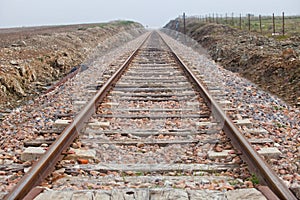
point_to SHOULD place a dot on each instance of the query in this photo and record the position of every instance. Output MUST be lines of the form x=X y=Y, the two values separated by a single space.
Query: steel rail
x=255 y=162
x=43 y=167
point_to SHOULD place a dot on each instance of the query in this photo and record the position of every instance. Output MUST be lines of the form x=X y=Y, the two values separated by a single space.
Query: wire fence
x=270 y=25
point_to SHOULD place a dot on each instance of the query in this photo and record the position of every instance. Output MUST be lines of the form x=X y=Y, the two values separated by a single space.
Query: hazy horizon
x=154 y=14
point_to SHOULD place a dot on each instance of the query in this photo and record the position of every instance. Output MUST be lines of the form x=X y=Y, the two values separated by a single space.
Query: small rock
x=82 y=161
x=60 y=62
x=140 y=145
x=14 y=62
x=81 y=154
x=27 y=169
x=288 y=53
x=168 y=184
x=19 y=44
x=44 y=145
x=130 y=173
x=296 y=189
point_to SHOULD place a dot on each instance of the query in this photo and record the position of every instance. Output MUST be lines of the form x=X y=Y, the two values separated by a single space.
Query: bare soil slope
x=272 y=64
x=32 y=58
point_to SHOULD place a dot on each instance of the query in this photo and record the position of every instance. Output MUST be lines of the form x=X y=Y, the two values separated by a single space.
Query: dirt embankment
x=32 y=58
x=272 y=64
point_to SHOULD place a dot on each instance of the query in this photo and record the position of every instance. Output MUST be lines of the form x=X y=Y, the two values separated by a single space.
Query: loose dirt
x=32 y=58
x=271 y=63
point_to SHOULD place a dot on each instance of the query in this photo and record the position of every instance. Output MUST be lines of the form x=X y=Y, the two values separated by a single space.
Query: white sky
x=152 y=13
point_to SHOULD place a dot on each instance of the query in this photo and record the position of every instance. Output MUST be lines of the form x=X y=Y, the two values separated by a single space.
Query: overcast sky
x=152 y=13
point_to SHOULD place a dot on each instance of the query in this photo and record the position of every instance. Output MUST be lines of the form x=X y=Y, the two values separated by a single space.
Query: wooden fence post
x=274 y=30
x=260 y=24
x=241 y=21
x=283 y=23
x=184 y=24
x=249 y=22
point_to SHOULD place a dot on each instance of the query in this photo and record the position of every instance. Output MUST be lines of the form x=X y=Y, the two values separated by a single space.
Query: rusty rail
x=255 y=162
x=47 y=162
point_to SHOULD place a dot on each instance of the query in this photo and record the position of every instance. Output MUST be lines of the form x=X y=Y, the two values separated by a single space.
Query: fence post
x=274 y=30
x=283 y=23
x=241 y=21
x=184 y=23
x=260 y=24
x=249 y=23
x=232 y=20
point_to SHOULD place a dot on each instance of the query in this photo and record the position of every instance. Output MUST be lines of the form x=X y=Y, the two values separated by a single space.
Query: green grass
x=117 y=23
x=279 y=125
x=233 y=182
x=106 y=24
x=254 y=179
x=124 y=23
x=139 y=173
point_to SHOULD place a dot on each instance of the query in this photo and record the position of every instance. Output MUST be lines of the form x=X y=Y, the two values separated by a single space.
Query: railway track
x=152 y=131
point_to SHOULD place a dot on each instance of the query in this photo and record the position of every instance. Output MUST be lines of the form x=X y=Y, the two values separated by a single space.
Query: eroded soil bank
x=272 y=64
x=31 y=59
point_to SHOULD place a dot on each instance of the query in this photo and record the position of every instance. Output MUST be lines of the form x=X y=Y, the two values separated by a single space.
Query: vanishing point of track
x=153 y=103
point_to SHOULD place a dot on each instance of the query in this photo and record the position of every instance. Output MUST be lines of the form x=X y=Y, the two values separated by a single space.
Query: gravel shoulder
x=272 y=64
x=32 y=58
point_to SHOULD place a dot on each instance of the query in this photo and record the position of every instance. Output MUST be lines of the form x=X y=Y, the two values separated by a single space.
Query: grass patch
x=102 y=25
x=114 y=23
x=139 y=173
x=82 y=28
x=279 y=125
x=233 y=182
x=281 y=37
x=254 y=179
x=124 y=23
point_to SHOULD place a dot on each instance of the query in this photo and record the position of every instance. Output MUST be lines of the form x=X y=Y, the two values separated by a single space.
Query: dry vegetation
x=271 y=63
x=32 y=58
